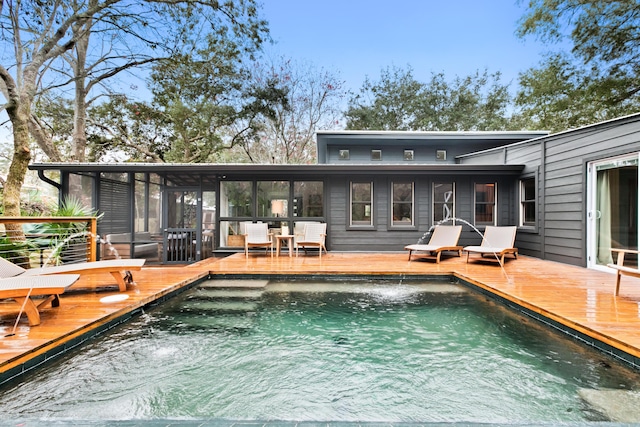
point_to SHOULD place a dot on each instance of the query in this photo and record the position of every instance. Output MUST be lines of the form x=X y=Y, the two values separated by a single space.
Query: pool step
x=218 y=306
x=204 y=322
x=225 y=293
x=234 y=283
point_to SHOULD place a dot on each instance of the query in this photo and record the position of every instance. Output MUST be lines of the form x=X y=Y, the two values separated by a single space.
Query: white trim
x=591 y=208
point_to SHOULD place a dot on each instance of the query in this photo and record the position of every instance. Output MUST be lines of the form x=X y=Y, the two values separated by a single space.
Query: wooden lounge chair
x=120 y=269
x=314 y=237
x=444 y=238
x=622 y=269
x=497 y=242
x=21 y=289
x=257 y=236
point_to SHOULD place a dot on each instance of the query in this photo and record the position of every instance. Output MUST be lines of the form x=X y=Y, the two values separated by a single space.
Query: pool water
x=357 y=351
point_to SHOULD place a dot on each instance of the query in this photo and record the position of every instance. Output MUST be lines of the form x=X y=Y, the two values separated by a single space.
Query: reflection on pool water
x=360 y=351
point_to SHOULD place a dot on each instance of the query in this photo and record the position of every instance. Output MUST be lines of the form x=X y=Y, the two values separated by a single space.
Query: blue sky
x=359 y=38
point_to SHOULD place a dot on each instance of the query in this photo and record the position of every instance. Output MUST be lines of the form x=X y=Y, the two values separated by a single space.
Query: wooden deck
x=580 y=299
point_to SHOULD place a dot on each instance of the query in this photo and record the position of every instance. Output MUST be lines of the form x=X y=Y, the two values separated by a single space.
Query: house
x=572 y=194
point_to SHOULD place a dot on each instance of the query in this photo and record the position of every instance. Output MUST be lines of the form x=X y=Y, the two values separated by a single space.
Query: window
x=273 y=199
x=343 y=154
x=402 y=203
x=443 y=201
x=236 y=199
x=307 y=199
x=361 y=203
x=528 y=202
x=408 y=155
x=376 y=154
x=485 y=201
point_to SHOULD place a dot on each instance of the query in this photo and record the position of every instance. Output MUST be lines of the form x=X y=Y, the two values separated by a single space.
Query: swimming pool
x=360 y=351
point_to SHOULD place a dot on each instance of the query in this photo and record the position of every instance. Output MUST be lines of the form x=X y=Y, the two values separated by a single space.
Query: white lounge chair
x=622 y=269
x=444 y=238
x=21 y=289
x=257 y=236
x=120 y=269
x=314 y=237
x=497 y=242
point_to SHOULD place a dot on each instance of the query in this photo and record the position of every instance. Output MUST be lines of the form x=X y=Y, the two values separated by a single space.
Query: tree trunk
x=17 y=171
x=20 y=161
x=82 y=33
x=44 y=140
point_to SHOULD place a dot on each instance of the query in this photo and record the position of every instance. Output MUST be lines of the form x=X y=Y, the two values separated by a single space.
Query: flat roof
x=431 y=135
x=195 y=174
x=213 y=168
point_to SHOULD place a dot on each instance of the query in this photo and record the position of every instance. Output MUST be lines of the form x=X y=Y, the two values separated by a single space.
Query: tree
x=399 y=102
x=199 y=95
x=290 y=102
x=38 y=33
x=598 y=79
x=126 y=130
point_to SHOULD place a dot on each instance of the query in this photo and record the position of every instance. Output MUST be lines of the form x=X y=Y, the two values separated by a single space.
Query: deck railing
x=43 y=240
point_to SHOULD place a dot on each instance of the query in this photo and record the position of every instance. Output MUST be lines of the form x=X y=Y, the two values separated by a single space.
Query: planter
x=235 y=240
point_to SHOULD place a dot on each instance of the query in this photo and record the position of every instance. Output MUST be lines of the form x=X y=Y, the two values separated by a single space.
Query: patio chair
x=444 y=238
x=120 y=269
x=21 y=289
x=298 y=230
x=497 y=242
x=622 y=269
x=257 y=236
x=314 y=237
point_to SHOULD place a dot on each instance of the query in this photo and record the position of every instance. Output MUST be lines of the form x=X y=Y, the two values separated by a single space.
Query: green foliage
x=15 y=250
x=288 y=101
x=67 y=237
x=136 y=130
x=399 y=102
x=599 y=79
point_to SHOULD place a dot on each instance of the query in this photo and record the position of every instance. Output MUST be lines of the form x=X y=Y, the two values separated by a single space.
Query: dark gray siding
x=383 y=237
x=424 y=152
x=560 y=163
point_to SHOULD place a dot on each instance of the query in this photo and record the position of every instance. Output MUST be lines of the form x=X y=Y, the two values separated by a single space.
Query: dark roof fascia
x=273 y=169
x=587 y=128
x=430 y=135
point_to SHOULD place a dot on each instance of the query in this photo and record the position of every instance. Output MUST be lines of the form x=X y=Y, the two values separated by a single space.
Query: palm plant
x=68 y=239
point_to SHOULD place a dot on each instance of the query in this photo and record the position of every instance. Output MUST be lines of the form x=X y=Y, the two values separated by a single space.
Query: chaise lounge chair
x=120 y=269
x=257 y=236
x=622 y=269
x=496 y=243
x=314 y=237
x=22 y=289
x=443 y=238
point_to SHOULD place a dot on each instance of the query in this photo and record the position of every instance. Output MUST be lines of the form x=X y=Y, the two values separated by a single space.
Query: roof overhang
x=271 y=169
x=367 y=135
x=195 y=174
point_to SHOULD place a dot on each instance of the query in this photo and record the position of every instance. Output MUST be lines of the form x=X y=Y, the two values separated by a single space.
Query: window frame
x=392 y=202
x=494 y=204
x=534 y=202
x=371 y=202
x=434 y=201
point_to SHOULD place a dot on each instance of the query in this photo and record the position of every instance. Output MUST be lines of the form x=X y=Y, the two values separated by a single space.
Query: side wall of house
x=559 y=162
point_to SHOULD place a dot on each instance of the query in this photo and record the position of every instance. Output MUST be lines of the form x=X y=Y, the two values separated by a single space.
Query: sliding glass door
x=612 y=219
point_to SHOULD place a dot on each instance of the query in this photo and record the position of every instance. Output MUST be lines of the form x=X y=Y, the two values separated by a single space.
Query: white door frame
x=593 y=214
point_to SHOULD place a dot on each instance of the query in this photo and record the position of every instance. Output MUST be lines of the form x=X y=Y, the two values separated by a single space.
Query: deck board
x=579 y=298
